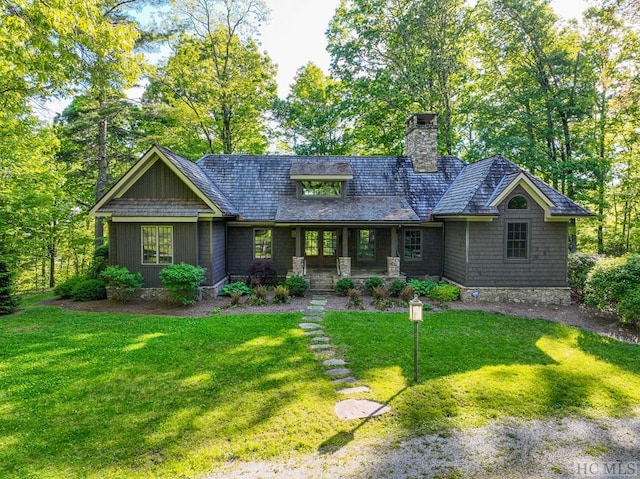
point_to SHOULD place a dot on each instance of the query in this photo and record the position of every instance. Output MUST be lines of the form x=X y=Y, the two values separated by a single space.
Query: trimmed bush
x=602 y=290
x=343 y=286
x=298 y=286
x=262 y=273
x=64 y=290
x=123 y=282
x=629 y=307
x=355 y=299
x=89 y=290
x=371 y=283
x=9 y=302
x=423 y=288
x=578 y=267
x=238 y=286
x=444 y=292
x=183 y=281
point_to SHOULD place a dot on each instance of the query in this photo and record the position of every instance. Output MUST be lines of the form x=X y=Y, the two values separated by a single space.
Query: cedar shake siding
x=455 y=262
x=240 y=249
x=219 y=238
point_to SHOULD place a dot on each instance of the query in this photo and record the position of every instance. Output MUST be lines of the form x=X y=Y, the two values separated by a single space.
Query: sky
x=295 y=34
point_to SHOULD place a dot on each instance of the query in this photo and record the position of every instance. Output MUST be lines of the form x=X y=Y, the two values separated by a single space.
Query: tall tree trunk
x=101 y=182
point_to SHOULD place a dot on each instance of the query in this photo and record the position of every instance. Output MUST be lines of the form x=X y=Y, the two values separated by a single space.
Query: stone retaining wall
x=535 y=295
x=161 y=294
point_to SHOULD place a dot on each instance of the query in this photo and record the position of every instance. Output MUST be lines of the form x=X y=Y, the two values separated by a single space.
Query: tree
x=398 y=58
x=312 y=116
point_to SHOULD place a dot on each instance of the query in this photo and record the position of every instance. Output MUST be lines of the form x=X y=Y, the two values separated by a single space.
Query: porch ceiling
x=349 y=209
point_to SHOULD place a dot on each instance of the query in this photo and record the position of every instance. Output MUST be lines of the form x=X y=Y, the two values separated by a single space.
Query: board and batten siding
x=211 y=243
x=431 y=263
x=159 y=182
x=455 y=262
x=129 y=248
x=240 y=249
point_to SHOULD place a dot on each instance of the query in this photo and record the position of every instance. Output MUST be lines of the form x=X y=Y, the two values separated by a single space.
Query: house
x=491 y=227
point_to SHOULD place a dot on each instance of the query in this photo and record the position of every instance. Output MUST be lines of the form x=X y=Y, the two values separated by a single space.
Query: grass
x=475 y=367
x=114 y=396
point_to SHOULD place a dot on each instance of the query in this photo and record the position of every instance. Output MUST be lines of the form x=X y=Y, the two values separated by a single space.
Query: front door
x=320 y=248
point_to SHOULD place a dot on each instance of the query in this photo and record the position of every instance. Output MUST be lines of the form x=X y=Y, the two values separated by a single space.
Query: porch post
x=345 y=259
x=345 y=241
x=393 y=266
x=394 y=241
x=298 y=266
x=298 y=233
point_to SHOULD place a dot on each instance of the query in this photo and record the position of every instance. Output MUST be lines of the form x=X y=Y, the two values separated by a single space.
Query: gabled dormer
x=320 y=179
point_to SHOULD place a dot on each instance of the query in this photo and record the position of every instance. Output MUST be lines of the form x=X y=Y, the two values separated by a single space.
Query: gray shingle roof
x=154 y=207
x=359 y=209
x=320 y=168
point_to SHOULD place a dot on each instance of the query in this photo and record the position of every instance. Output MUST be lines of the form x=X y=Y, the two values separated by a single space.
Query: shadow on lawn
x=96 y=394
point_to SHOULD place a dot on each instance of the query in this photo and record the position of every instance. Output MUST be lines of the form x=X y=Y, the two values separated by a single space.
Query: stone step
x=354 y=390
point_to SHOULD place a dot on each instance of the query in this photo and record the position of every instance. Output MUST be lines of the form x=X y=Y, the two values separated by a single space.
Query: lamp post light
x=415 y=315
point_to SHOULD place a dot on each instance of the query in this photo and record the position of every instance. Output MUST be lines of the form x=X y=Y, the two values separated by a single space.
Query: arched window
x=517 y=203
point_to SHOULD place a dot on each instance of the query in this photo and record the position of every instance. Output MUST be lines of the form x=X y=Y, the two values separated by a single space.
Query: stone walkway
x=336 y=368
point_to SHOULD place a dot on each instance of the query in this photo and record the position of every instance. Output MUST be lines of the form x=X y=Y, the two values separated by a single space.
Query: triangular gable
x=150 y=158
x=522 y=179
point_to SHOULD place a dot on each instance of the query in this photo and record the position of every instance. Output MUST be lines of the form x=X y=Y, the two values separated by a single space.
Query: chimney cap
x=421 y=120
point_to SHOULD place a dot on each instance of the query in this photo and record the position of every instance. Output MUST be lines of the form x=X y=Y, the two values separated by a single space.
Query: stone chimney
x=421 y=142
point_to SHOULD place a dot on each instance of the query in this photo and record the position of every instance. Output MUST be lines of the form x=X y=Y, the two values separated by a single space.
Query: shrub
x=381 y=298
x=355 y=299
x=578 y=267
x=262 y=272
x=297 y=285
x=601 y=290
x=99 y=263
x=258 y=296
x=629 y=307
x=444 y=292
x=396 y=286
x=343 y=286
x=238 y=286
x=423 y=288
x=183 y=281
x=89 y=290
x=281 y=295
x=8 y=300
x=63 y=290
x=371 y=283
x=235 y=298
x=407 y=293
x=123 y=282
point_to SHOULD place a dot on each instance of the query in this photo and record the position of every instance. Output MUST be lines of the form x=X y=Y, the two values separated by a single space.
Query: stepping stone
x=320 y=339
x=312 y=318
x=359 y=409
x=355 y=390
x=347 y=380
x=334 y=362
x=321 y=346
x=309 y=325
x=314 y=332
x=324 y=353
x=318 y=302
x=338 y=371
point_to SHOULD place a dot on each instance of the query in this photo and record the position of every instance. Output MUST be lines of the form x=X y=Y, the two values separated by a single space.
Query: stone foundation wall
x=161 y=294
x=533 y=295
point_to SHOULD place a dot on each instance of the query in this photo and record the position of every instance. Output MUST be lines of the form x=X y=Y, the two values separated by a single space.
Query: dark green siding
x=128 y=248
x=159 y=182
x=455 y=263
x=240 y=250
x=431 y=262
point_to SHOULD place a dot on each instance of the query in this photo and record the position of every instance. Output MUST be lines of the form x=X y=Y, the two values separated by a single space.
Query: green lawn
x=112 y=395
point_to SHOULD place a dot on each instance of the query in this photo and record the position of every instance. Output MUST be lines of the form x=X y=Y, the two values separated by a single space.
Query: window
x=517 y=241
x=367 y=244
x=311 y=243
x=517 y=203
x=412 y=244
x=320 y=188
x=262 y=244
x=157 y=244
x=329 y=241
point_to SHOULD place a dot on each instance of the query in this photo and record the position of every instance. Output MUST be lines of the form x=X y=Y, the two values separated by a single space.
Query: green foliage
x=99 y=263
x=444 y=292
x=578 y=267
x=238 y=286
x=371 y=283
x=8 y=300
x=422 y=288
x=123 y=282
x=613 y=285
x=281 y=295
x=89 y=290
x=355 y=299
x=64 y=290
x=396 y=286
x=343 y=285
x=183 y=280
x=407 y=293
x=298 y=286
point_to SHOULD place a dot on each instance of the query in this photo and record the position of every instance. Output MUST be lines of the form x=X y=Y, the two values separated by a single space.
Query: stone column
x=345 y=266
x=298 y=265
x=393 y=266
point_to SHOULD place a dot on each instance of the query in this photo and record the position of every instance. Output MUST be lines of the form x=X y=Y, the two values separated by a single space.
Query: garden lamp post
x=415 y=315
